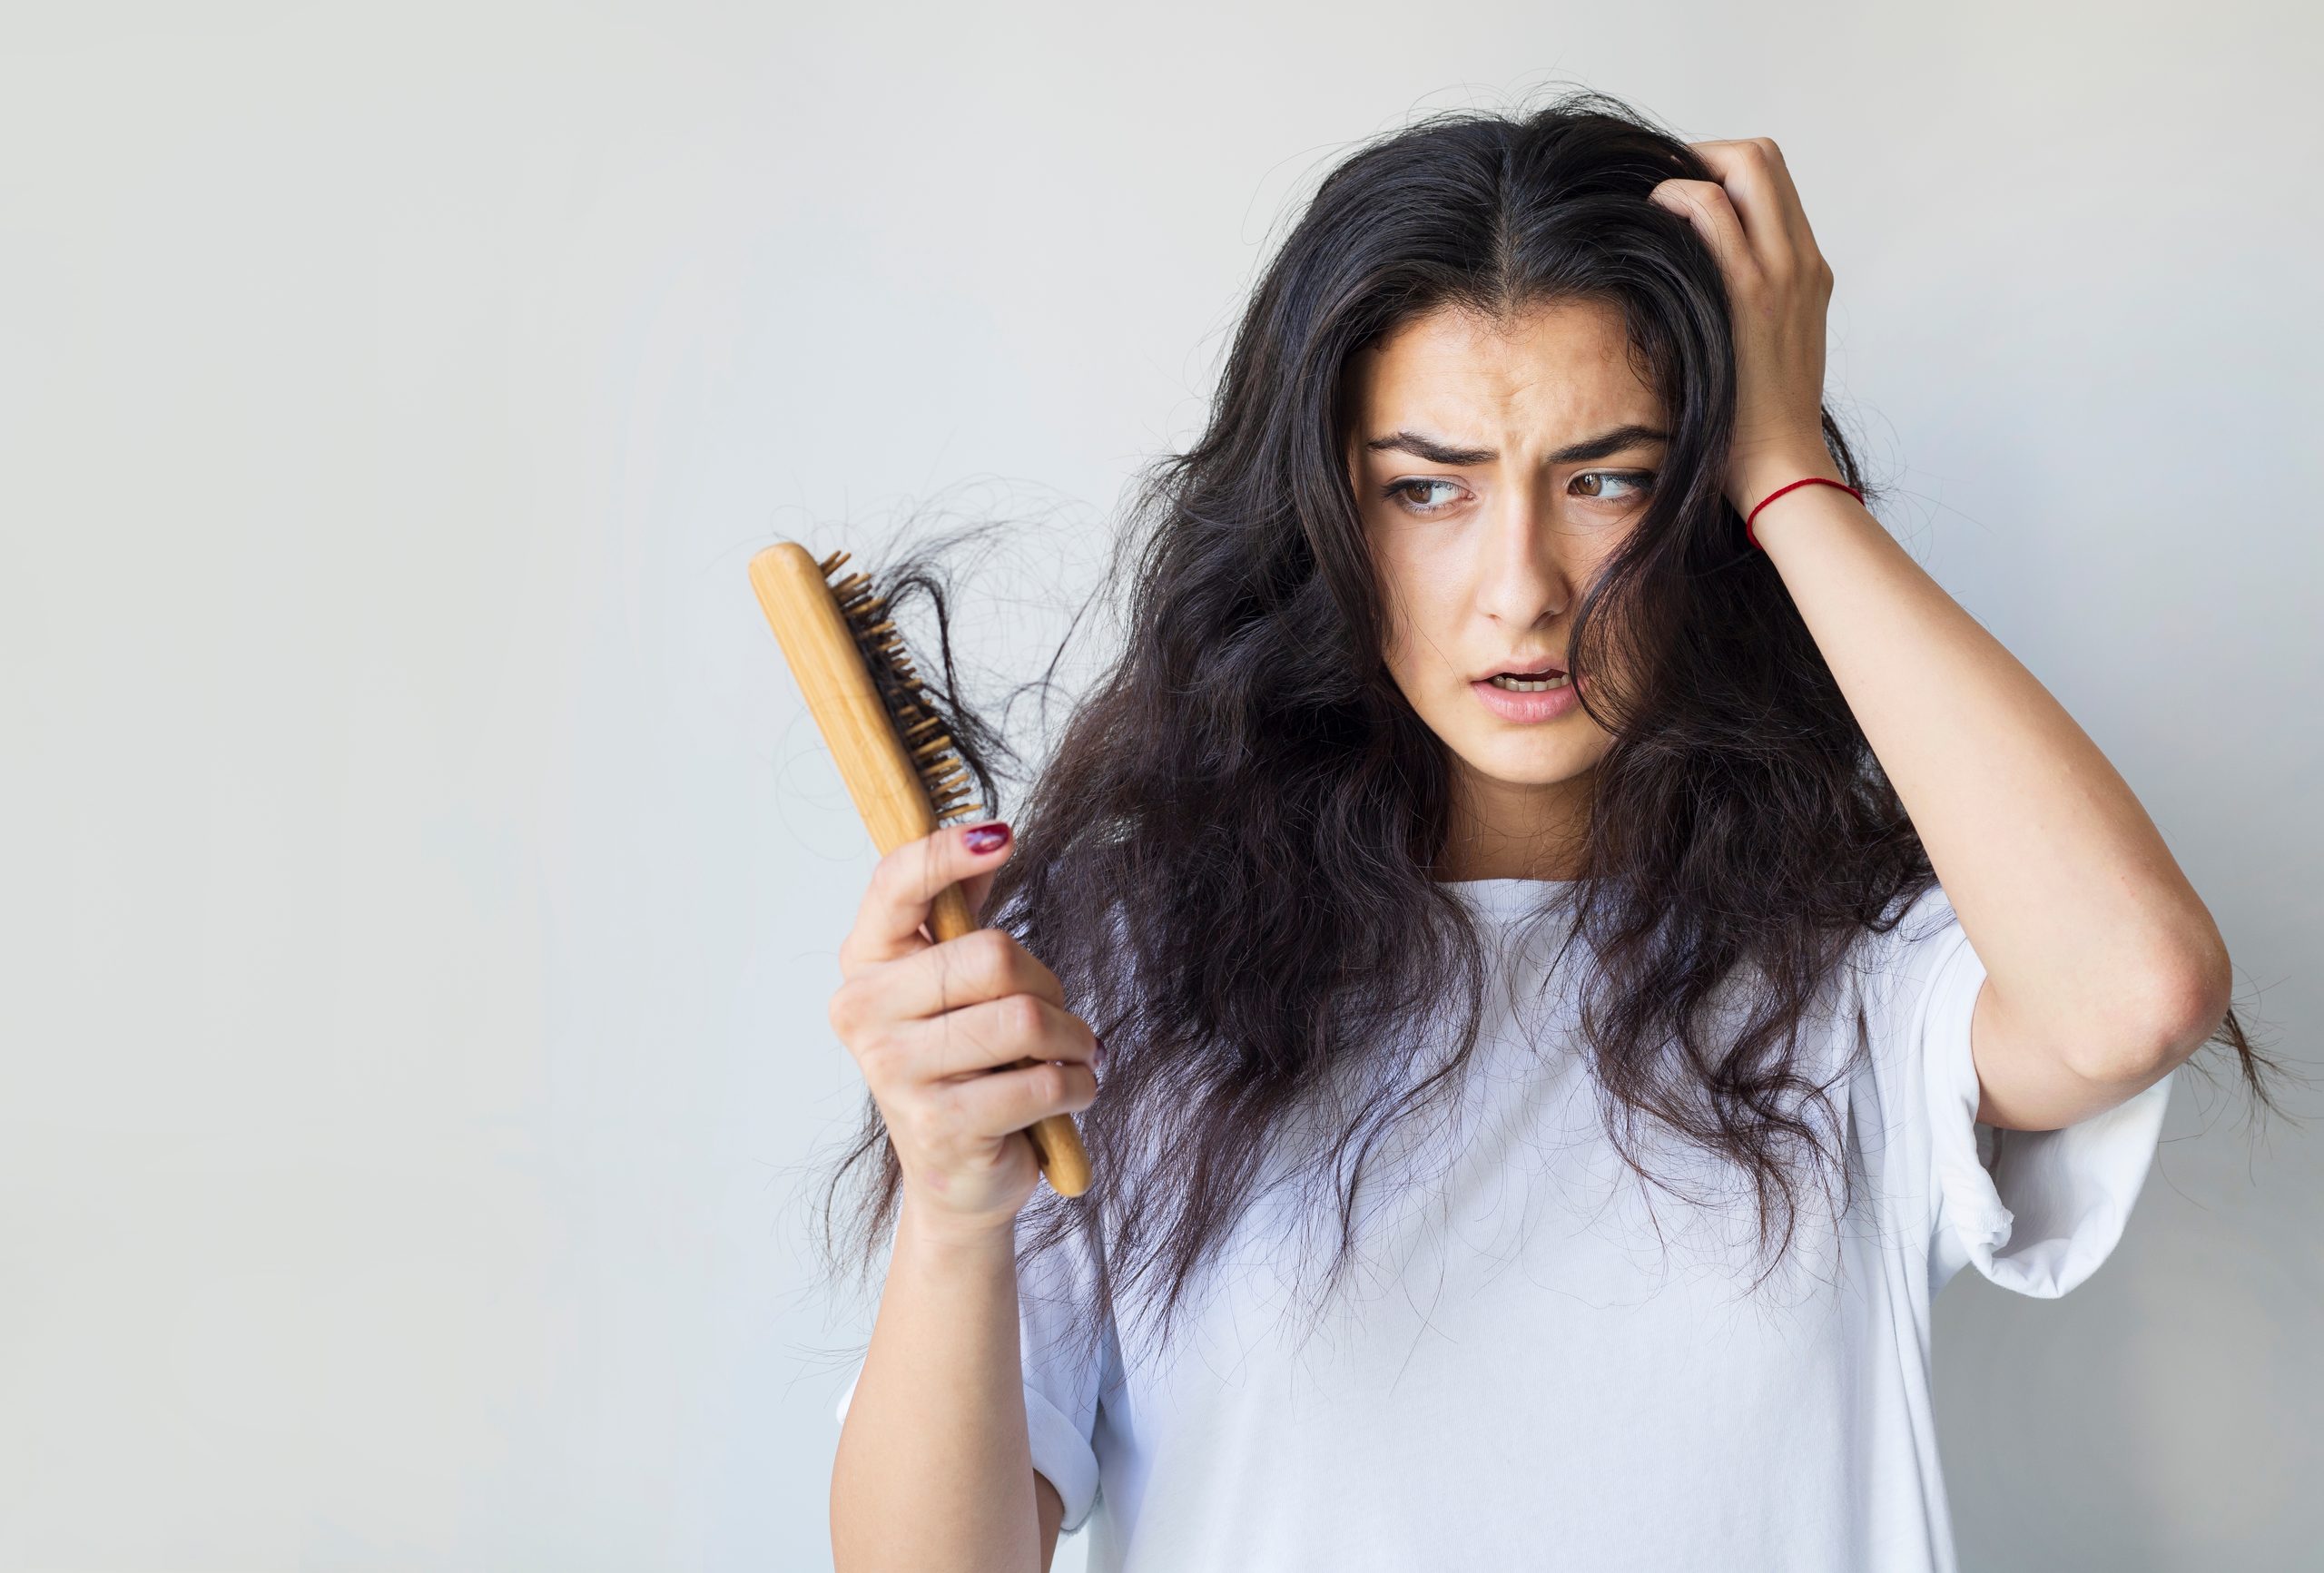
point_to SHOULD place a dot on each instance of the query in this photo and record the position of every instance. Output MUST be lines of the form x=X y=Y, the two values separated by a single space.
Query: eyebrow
x=1605 y=444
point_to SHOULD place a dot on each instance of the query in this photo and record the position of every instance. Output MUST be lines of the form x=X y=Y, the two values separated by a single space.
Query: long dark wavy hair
x=1231 y=857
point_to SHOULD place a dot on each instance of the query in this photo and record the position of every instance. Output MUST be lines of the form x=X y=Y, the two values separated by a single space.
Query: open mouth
x=1529 y=683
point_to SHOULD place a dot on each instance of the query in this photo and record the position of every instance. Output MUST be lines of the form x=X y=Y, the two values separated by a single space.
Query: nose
x=1522 y=580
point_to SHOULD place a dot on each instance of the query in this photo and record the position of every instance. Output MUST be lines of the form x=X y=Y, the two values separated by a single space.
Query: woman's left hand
x=1777 y=287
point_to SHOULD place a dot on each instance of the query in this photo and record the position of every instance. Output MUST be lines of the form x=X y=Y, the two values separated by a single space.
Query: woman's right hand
x=927 y=1023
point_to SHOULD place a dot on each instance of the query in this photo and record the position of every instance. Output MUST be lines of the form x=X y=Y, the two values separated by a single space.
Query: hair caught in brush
x=913 y=571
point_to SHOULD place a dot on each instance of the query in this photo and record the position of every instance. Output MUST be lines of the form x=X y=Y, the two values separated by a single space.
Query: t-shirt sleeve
x=2033 y=1211
x=1062 y=1376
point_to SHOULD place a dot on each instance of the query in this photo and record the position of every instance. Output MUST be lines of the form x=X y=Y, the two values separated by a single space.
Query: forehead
x=1557 y=368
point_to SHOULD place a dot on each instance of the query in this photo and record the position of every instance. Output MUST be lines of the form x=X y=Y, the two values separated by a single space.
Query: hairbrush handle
x=796 y=597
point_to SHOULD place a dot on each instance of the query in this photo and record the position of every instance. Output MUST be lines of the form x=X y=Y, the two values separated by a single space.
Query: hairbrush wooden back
x=893 y=753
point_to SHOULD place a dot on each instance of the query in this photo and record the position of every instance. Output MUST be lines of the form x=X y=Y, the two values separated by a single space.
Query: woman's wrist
x=1759 y=480
x=1756 y=476
x=931 y=1233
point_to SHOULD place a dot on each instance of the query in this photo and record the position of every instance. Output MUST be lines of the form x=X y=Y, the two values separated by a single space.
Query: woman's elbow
x=2165 y=1011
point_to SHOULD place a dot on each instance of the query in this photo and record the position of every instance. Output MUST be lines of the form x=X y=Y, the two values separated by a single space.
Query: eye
x=1404 y=492
x=1593 y=484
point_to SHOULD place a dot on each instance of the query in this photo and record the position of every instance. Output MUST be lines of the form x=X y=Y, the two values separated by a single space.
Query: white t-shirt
x=1521 y=1373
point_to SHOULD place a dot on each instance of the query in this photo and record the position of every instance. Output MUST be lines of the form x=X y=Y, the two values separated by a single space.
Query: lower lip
x=1526 y=708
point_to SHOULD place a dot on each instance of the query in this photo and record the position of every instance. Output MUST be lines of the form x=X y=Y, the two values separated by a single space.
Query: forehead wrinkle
x=1433 y=370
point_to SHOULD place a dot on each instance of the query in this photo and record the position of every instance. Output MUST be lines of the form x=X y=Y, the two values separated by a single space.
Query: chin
x=1529 y=765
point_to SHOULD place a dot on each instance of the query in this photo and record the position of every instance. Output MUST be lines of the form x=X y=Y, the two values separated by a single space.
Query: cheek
x=1422 y=603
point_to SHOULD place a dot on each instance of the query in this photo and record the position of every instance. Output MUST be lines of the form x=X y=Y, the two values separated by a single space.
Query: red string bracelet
x=1810 y=481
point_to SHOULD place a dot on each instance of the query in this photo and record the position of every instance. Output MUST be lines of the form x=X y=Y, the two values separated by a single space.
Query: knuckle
x=992 y=957
x=848 y=1009
x=1020 y=1017
x=875 y=1058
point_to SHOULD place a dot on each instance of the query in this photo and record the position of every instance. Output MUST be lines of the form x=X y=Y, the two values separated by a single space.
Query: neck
x=1502 y=830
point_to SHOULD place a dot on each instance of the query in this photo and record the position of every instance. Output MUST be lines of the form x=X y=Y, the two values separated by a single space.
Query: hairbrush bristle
x=943 y=771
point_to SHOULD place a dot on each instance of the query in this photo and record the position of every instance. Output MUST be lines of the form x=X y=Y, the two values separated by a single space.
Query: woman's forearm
x=2103 y=967
x=934 y=1472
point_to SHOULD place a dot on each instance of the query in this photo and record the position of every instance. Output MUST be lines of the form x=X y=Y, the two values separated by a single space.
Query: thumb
x=976 y=889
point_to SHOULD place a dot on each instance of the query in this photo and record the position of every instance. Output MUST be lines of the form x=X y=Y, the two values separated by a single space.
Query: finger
x=993 y=1033
x=1759 y=186
x=1008 y=1100
x=986 y=965
x=1704 y=205
x=905 y=885
x=1803 y=234
x=978 y=889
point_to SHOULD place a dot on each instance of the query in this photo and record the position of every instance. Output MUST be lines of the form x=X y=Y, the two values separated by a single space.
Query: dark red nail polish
x=1098 y=1055
x=989 y=838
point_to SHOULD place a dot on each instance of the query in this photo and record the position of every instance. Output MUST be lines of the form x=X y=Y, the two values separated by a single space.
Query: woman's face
x=1498 y=465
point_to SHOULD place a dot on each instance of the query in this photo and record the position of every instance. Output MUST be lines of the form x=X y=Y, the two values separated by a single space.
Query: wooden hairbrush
x=899 y=766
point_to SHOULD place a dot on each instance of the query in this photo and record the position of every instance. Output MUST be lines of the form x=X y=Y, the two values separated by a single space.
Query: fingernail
x=1098 y=1055
x=989 y=838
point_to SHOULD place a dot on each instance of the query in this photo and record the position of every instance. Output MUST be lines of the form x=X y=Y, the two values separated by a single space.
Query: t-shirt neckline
x=1509 y=897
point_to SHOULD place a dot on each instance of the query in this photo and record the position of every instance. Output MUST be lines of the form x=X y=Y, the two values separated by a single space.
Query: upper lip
x=1527 y=667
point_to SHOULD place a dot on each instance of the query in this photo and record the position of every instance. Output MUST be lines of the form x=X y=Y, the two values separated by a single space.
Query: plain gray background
x=421 y=887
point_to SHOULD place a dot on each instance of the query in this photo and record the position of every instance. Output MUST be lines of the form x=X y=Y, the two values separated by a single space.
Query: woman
x=1601 y=968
